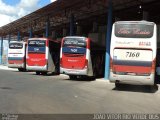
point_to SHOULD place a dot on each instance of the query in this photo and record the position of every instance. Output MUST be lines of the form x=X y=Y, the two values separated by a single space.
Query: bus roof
x=135 y=22
x=75 y=37
x=38 y=38
x=17 y=42
x=56 y=41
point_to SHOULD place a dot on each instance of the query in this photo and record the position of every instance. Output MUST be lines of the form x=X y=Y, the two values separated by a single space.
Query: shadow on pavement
x=137 y=88
x=40 y=74
x=22 y=71
x=87 y=79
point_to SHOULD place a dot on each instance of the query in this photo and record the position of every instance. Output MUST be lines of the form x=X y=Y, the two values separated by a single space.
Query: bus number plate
x=132 y=54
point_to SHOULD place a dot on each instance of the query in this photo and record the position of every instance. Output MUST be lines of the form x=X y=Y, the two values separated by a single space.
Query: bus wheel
x=37 y=73
x=72 y=77
x=20 y=69
x=152 y=88
x=118 y=85
x=44 y=73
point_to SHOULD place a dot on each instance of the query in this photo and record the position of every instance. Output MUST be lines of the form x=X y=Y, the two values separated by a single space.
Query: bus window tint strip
x=36 y=49
x=15 y=58
x=132 y=63
x=74 y=50
x=134 y=30
x=15 y=45
x=76 y=42
x=37 y=46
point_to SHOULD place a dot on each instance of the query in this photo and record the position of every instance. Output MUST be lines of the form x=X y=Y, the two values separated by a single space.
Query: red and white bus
x=79 y=57
x=43 y=55
x=133 y=53
x=17 y=55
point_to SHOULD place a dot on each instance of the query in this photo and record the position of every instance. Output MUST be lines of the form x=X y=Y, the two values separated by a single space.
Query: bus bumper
x=73 y=71
x=37 y=68
x=132 y=79
x=16 y=65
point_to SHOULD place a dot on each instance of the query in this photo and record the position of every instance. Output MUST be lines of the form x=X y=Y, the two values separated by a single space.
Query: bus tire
x=152 y=88
x=72 y=77
x=44 y=73
x=20 y=69
x=118 y=85
x=94 y=74
x=37 y=73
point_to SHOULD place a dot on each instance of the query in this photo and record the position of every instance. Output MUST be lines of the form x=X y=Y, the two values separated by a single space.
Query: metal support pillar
x=145 y=15
x=108 y=40
x=71 y=25
x=95 y=27
x=18 y=36
x=1 y=61
x=30 y=33
x=47 y=27
x=9 y=38
x=53 y=34
x=64 y=32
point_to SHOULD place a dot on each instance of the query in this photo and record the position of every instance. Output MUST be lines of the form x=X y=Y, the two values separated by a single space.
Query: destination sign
x=15 y=45
x=36 y=43
x=76 y=42
x=134 y=30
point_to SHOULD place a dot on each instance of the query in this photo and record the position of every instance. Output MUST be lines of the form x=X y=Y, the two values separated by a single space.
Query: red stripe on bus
x=134 y=69
x=88 y=43
x=153 y=65
x=15 y=61
x=47 y=42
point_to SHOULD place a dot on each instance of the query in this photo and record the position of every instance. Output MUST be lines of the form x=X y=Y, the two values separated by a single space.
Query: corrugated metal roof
x=59 y=12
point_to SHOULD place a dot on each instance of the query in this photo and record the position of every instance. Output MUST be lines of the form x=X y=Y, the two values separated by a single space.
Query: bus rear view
x=74 y=59
x=17 y=55
x=43 y=55
x=80 y=57
x=133 y=52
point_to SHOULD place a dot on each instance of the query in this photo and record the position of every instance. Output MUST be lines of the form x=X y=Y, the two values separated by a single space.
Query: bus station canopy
x=59 y=12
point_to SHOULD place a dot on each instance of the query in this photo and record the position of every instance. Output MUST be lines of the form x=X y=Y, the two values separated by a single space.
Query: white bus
x=133 y=53
x=17 y=55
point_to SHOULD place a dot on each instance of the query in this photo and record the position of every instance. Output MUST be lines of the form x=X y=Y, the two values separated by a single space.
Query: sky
x=11 y=10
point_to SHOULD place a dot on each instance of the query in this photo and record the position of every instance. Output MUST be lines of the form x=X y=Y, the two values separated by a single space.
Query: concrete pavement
x=25 y=92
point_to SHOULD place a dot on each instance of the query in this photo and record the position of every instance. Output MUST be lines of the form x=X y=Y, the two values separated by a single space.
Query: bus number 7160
x=132 y=54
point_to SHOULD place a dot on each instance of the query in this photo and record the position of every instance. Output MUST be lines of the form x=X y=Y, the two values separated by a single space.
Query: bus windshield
x=37 y=46
x=74 y=42
x=15 y=45
x=133 y=30
x=74 y=46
